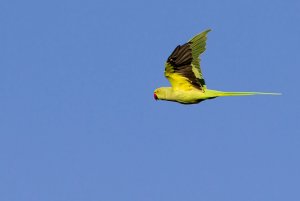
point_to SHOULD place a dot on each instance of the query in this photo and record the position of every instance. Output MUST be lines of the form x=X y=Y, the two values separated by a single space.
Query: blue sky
x=78 y=118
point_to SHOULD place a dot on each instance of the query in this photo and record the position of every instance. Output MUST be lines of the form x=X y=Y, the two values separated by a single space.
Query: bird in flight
x=182 y=69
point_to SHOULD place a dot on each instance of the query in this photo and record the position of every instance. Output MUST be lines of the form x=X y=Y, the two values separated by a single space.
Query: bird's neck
x=168 y=93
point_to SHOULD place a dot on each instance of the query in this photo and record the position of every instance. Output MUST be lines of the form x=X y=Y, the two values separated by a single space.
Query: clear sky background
x=78 y=121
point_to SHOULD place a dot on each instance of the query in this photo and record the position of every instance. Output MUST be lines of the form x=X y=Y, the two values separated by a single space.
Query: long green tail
x=223 y=93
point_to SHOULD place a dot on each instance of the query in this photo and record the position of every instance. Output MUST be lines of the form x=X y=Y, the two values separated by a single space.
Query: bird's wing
x=183 y=65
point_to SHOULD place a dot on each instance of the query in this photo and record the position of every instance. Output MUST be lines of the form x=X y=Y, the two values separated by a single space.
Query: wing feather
x=183 y=65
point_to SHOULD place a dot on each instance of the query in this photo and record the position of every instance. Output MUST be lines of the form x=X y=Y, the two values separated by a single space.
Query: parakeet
x=182 y=69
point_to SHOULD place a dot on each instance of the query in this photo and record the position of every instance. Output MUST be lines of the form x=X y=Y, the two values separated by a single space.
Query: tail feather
x=223 y=93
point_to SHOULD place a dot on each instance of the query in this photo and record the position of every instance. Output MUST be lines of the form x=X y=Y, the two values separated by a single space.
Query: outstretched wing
x=183 y=65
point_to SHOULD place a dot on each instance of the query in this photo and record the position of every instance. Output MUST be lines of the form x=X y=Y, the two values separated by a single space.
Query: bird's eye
x=155 y=96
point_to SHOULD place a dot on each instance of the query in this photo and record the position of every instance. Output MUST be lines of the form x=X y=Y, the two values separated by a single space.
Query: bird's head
x=161 y=93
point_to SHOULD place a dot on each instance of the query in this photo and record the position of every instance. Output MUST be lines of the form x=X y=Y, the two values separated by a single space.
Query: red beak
x=155 y=97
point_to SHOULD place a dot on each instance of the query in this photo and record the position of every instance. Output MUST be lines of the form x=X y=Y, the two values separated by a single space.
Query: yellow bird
x=182 y=69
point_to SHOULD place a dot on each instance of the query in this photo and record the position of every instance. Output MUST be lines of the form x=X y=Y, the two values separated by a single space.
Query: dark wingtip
x=207 y=30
